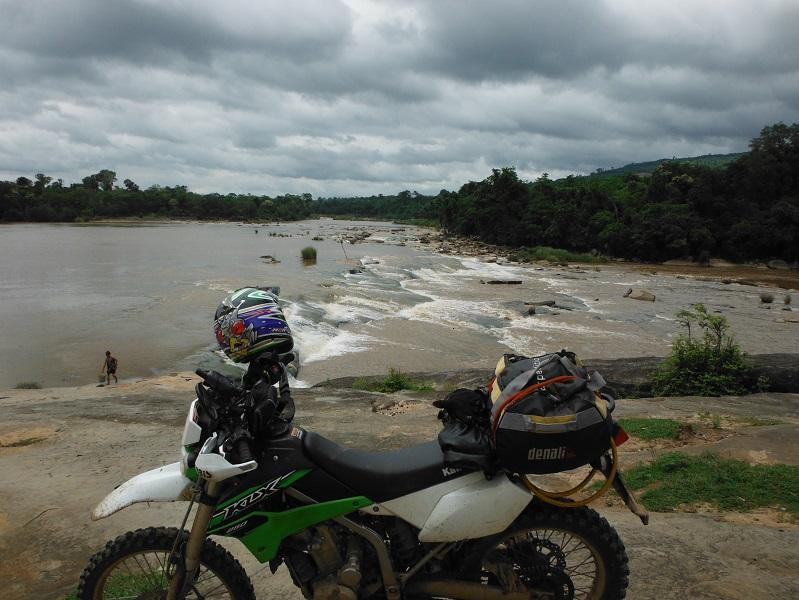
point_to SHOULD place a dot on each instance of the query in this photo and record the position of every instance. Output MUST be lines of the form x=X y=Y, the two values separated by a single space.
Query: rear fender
x=164 y=484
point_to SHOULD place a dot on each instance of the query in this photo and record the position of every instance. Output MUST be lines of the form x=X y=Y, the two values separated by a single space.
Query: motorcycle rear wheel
x=568 y=554
x=134 y=566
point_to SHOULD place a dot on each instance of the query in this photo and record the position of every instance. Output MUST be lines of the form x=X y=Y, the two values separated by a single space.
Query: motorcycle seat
x=380 y=476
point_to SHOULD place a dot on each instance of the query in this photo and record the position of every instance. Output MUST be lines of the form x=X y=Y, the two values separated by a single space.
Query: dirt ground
x=62 y=450
x=721 y=271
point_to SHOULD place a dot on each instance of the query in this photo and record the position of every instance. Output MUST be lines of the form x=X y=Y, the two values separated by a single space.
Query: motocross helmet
x=250 y=321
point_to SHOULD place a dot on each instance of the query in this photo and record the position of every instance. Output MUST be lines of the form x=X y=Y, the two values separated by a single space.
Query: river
x=147 y=293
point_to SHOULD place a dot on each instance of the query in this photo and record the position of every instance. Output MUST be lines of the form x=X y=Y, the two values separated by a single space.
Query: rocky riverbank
x=62 y=450
x=625 y=377
x=774 y=273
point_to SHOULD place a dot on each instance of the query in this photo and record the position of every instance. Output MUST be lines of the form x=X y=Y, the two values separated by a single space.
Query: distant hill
x=712 y=161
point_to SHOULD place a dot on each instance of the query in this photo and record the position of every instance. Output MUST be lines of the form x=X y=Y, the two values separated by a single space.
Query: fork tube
x=194 y=544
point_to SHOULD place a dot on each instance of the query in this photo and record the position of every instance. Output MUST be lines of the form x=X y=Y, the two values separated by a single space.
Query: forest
x=747 y=209
x=98 y=197
x=409 y=207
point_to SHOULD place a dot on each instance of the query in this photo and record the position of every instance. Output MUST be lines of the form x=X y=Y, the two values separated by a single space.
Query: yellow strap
x=501 y=365
x=559 y=498
x=601 y=405
x=552 y=420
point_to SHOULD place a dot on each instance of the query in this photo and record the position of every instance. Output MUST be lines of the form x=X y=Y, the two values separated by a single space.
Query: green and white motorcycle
x=348 y=524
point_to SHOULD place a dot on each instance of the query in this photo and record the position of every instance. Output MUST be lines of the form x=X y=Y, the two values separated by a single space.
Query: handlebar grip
x=243 y=451
x=219 y=382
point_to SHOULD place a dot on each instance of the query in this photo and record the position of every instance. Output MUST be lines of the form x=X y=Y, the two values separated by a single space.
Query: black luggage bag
x=548 y=414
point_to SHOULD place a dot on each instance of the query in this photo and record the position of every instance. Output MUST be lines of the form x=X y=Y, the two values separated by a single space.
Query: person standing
x=110 y=368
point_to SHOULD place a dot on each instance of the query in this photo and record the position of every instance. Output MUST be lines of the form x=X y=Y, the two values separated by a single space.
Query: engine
x=329 y=562
x=325 y=563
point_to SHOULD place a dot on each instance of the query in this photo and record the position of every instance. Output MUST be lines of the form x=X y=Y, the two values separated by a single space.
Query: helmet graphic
x=250 y=321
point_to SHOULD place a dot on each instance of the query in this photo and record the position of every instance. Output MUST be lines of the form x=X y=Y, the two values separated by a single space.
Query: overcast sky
x=354 y=97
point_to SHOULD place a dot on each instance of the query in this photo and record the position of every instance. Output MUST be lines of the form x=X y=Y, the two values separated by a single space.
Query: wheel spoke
x=212 y=591
x=137 y=565
x=204 y=576
x=136 y=573
x=552 y=561
x=157 y=575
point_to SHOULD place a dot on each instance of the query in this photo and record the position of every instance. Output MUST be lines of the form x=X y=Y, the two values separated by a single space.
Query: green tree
x=90 y=182
x=42 y=181
x=106 y=179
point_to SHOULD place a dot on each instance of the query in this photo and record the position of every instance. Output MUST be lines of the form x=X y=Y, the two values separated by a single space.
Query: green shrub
x=28 y=385
x=556 y=255
x=308 y=253
x=707 y=362
x=394 y=382
x=432 y=223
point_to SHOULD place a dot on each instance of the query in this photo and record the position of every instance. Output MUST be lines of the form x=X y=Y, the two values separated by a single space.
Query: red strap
x=523 y=392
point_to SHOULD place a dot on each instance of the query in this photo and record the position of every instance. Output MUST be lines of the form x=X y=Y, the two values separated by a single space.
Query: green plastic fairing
x=265 y=540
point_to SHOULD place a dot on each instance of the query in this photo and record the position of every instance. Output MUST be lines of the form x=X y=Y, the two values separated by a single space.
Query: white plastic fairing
x=164 y=484
x=191 y=431
x=416 y=507
x=215 y=467
x=476 y=510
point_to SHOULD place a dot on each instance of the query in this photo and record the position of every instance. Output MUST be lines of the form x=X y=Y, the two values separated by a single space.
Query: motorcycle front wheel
x=134 y=565
x=557 y=553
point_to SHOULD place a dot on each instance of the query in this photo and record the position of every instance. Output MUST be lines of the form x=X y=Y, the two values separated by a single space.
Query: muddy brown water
x=147 y=292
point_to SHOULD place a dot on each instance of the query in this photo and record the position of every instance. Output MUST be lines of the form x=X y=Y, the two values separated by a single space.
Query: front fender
x=164 y=484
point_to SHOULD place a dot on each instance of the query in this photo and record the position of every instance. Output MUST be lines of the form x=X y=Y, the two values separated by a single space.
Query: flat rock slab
x=762 y=406
x=88 y=440
x=682 y=556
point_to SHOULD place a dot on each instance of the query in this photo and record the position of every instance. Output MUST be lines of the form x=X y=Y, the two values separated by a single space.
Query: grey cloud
x=331 y=99
x=500 y=41
x=162 y=32
x=562 y=38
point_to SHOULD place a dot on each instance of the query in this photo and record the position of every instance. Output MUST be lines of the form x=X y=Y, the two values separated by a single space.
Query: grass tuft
x=308 y=253
x=747 y=421
x=28 y=385
x=394 y=382
x=555 y=255
x=758 y=421
x=652 y=429
x=417 y=222
x=676 y=479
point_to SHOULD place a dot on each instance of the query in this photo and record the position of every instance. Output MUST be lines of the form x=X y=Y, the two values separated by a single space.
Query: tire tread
x=213 y=555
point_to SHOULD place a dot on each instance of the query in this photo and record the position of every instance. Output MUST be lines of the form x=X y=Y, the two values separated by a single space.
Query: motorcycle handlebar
x=243 y=451
x=265 y=404
x=219 y=382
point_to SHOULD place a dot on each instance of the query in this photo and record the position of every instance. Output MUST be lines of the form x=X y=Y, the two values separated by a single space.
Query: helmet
x=250 y=321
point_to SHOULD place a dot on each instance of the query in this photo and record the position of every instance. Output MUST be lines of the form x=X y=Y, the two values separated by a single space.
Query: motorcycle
x=347 y=524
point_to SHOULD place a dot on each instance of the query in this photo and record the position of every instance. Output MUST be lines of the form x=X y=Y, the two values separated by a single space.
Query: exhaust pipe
x=462 y=590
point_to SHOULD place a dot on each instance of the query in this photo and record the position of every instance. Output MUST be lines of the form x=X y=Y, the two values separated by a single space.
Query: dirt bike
x=347 y=524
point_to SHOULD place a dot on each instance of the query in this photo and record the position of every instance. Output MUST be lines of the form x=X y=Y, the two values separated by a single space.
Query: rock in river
x=645 y=295
x=778 y=264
